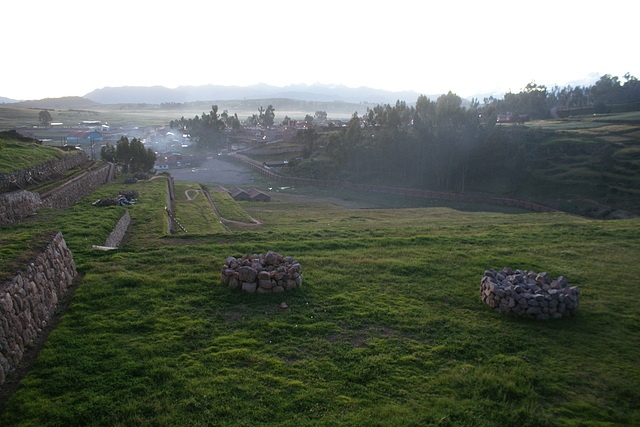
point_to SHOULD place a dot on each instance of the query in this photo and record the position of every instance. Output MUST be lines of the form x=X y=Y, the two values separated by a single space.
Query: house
x=258 y=196
x=239 y=195
x=78 y=137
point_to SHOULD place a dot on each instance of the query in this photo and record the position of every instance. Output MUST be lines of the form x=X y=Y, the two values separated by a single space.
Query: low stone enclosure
x=528 y=294
x=28 y=301
x=263 y=274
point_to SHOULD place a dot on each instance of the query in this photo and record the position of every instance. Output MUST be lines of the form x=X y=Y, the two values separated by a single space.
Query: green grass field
x=387 y=328
x=19 y=155
x=196 y=215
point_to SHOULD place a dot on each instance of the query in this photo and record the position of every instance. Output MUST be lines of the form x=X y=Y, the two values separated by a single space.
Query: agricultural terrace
x=387 y=328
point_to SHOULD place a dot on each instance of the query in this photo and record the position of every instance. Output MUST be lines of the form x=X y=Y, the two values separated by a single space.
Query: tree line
x=132 y=156
x=537 y=101
x=443 y=145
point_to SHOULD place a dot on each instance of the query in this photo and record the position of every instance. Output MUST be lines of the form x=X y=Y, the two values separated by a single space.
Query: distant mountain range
x=155 y=95
x=62 y=103
x=182 y=94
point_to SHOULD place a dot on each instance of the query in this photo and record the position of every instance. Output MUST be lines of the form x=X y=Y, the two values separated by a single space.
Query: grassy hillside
x=17 y=155
x=387 y=329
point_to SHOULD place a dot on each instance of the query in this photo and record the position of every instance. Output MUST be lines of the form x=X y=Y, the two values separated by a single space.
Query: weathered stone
x=533 y=310
x=291 y=284
x=247 y=274
x=277 y=289
x=249 y=287
x=265 y=284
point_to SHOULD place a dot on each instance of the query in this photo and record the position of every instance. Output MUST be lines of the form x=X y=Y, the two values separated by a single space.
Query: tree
x=253 y=120
x=108 y=153
x=286 y=120
x=266 y=117
x=308 y=118
x=235 y=123
x=606 y=91
x=205 y=130
x=132 y=156
x=45 y=118
x=307 y=137
x=321 y=115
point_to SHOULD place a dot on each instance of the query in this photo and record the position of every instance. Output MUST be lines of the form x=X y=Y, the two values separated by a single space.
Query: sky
x=69 y=48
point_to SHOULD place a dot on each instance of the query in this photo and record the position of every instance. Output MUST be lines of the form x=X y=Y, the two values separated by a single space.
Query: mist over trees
x=205 y=130
x=444 y=146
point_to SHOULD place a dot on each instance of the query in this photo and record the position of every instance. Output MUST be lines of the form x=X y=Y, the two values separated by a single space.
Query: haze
x=69 y=48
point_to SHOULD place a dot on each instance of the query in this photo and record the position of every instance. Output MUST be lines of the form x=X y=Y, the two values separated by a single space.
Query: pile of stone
x=528 y=294
x=264 y=274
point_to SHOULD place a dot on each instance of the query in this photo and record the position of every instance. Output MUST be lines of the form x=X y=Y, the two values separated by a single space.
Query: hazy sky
x=68 y=48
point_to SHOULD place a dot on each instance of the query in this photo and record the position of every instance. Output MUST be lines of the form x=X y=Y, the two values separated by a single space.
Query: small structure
x=263 y=274
x=88 y=137
x=524 y=293
x=256 y=195
x=239 y=195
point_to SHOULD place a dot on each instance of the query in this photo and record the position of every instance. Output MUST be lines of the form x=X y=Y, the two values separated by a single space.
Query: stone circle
x=264 y=274
x=524 y=293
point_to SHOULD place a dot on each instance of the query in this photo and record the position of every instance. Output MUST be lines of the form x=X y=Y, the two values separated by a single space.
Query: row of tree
x=442 y=145
x=537 y=101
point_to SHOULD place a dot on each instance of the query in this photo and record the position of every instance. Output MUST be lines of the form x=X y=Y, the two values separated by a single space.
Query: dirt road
x=214 y=171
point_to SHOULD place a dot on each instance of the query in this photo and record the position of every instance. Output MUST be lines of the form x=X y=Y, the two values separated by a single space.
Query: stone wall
x=264 y=274
x=28 y=301
x=119 y=231
x=18 y=204
x=528 y=294
x=39 y=173
x=71 y=192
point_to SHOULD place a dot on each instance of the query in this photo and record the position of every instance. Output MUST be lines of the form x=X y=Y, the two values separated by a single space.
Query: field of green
x=196 y=215
x=229 y=208
x=387 y=328
x=20 y=155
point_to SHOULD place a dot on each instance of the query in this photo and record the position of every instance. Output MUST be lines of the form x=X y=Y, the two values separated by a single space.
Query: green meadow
x=387 y=328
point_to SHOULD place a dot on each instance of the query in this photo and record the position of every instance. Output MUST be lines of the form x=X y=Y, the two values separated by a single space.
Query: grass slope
x=387 y=329
x=20 y=155
x=196 y=215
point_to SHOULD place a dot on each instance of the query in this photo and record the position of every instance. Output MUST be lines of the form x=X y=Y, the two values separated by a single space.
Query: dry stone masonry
x=263 y=274
x=41 y=172
x=528 y=294
x=28 y=301
x=18 y=204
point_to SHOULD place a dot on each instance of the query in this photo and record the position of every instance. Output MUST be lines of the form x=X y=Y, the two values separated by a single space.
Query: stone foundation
x=17 y=205
x=28 y=301
x=263 y=274
x=528 y=294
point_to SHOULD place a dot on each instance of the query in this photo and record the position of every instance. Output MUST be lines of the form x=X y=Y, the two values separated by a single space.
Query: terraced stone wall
x=28 y=301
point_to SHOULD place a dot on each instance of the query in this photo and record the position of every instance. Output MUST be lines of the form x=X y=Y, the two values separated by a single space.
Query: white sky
x=69 y=48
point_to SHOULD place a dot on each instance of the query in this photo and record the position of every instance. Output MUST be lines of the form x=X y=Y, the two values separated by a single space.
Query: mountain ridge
x=303 y=92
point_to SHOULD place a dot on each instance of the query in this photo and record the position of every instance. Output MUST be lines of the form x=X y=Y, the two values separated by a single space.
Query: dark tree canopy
x=206 y=130
x=45 y=118
x=132 y=156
